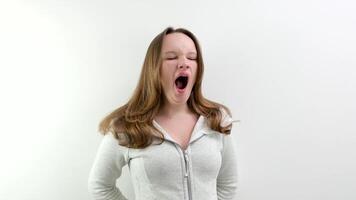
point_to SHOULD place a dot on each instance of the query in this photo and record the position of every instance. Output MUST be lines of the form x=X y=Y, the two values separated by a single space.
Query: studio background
x=286 y=69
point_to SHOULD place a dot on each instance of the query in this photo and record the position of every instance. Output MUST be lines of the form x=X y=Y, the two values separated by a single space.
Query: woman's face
x=179 y=67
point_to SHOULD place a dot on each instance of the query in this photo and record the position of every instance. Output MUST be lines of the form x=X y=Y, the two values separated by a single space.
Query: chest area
x=167 y=160
x=180 y=131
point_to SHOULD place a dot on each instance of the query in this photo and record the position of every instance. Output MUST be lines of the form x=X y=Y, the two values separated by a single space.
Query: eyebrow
x=168 y=52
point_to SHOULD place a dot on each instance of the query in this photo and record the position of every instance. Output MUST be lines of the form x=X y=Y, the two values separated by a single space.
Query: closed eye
x=171 y=58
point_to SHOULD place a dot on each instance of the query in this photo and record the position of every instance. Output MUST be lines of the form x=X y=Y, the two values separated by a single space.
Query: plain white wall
x=287 y=70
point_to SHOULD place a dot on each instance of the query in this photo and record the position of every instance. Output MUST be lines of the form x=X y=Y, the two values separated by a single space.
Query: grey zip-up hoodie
x=206 y=170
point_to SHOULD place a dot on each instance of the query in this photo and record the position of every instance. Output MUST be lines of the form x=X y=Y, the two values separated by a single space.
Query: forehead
x=178 y=42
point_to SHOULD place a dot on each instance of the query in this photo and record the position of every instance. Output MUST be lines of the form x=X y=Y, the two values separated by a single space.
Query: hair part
x=132 y=123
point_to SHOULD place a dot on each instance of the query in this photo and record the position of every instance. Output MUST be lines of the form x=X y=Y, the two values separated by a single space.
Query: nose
x=183 y=64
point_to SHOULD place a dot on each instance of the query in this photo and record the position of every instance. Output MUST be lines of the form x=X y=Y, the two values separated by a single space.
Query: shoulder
x=110 y=146
x=226 y=117
x=109 y=139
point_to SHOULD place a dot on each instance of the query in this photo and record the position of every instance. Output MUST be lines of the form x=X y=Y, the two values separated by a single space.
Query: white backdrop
x=287 y=70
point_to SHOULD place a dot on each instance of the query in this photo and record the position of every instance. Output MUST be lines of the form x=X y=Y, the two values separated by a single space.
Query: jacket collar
x=201 y=128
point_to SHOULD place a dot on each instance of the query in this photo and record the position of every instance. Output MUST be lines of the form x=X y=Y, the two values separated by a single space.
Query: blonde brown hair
x=134 y=120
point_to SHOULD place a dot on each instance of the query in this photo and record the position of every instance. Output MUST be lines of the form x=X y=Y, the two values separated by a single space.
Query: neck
x=170 y=110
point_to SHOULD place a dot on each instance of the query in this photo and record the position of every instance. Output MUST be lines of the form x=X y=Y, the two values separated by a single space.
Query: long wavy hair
x=132 y=123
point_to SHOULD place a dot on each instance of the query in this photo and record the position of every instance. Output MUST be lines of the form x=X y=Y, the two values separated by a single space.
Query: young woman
x=176 y=143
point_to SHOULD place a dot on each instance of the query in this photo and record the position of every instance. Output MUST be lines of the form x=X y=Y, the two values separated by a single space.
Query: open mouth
x=181 y=82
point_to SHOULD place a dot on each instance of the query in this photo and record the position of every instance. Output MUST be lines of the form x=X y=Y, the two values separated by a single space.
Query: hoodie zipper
x=185 y=156
x=186 y=159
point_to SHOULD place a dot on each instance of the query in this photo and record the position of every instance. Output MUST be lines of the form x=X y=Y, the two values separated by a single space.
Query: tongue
x=180 y=84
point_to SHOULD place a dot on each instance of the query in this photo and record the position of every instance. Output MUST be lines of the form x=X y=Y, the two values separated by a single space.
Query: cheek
x=166 y=74
x=194 y=65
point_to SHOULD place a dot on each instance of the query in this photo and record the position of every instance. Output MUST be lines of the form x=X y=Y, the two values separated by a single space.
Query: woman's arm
x=227 y=177
x=107 y=167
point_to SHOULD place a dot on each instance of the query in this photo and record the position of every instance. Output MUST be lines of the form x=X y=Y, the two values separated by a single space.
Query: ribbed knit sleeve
x=106 y=169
